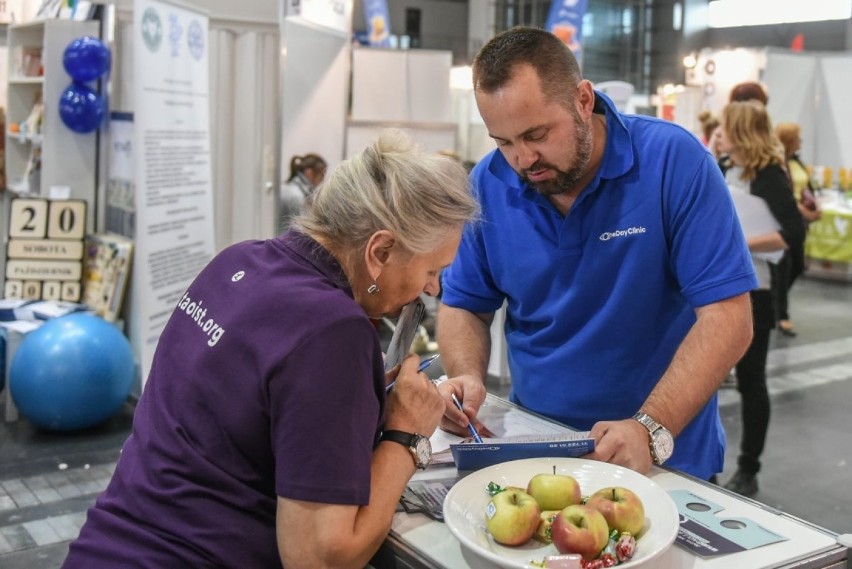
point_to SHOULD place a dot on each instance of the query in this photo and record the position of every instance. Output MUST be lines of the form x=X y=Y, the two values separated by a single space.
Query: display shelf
x=37 y=79
x=44 y=158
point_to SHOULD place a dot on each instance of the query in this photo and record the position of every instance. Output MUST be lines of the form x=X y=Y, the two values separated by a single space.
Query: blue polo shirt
x=598 y=301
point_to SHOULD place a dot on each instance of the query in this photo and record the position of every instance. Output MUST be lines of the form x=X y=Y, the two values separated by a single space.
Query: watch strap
x=409 y=440
x=401 y=437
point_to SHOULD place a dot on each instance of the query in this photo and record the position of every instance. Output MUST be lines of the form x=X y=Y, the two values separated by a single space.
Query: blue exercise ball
x=81 y=108
x=73 y=372
x=86 y=59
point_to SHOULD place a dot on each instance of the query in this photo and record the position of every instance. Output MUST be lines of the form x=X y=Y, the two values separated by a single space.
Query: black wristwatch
x=662 y=441
x=420 y=447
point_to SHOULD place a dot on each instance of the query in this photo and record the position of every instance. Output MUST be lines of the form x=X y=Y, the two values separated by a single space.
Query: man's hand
x=470 y=391
x=625 y=443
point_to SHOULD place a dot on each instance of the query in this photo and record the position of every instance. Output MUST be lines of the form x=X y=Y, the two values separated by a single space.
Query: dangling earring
x=373 y=289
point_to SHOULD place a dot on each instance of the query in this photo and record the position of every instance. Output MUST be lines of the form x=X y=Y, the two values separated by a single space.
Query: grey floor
x=47 y=481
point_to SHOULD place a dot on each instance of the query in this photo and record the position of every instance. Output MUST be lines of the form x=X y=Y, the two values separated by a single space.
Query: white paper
x=756 y=219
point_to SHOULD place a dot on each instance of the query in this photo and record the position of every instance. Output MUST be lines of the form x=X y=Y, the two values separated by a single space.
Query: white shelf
x=26 y=80
x=64 y=157
x=67 y=158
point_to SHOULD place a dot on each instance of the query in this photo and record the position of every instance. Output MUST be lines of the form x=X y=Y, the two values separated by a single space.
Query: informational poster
x=172 y=163
x=565 y=21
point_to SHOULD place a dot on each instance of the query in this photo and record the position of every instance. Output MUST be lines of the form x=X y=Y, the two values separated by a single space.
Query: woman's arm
x=773 y=186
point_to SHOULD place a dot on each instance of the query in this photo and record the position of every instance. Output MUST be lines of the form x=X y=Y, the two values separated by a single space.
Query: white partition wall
x=314 y=86
x=812 y=89
x=407 y=89
x=833 y=143
x=791 y=80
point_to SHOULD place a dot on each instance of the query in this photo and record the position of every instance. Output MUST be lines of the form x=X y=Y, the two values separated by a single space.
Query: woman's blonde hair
x=748 y=128
x=709 y=122
x=788 y=133
x=390 y=185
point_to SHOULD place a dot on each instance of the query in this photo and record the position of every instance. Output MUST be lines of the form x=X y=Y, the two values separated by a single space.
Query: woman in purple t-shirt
x=264 y=435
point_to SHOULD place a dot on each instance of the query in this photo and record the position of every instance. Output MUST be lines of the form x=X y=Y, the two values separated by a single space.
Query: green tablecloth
x=830 y=238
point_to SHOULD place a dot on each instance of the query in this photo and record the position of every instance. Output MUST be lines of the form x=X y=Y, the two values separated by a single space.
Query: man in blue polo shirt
x=615 y=245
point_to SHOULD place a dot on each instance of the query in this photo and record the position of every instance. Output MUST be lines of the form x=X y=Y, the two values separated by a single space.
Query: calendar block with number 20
x=44 y=259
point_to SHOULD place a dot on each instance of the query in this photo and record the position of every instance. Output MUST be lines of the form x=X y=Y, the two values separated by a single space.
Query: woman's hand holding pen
x=470 y=392
x=413 y=405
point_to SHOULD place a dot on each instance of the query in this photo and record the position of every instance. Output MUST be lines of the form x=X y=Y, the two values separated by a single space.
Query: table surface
x=432 y=545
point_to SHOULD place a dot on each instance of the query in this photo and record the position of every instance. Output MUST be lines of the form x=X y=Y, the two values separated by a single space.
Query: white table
x=419 y=542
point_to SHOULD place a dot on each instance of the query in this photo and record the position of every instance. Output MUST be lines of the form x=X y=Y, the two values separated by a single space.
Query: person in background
x=622 y=317
x=748 y=91
x=306 y=173
x=754 y=163
x=264 y=435
x=709 y=122
x=792 y=265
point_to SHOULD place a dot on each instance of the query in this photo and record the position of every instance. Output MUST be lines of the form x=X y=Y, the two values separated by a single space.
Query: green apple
x=512 y=516
x=580 y=529
x=554 y=491
x=621 y=507
x=542 y=532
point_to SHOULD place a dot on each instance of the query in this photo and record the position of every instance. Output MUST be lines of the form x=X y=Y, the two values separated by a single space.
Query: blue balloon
x=73 y=372
x=86 y=59
x=81 y=108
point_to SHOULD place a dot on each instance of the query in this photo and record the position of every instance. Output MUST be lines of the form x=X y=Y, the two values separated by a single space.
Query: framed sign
x=44 y=258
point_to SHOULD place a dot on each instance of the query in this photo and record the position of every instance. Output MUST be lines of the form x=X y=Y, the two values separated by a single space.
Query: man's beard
x=565 y=179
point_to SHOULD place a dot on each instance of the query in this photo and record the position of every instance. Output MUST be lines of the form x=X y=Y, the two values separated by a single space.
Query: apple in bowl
x=580 y=529
x=554 y=491
x=621 y=508
x=512 y=516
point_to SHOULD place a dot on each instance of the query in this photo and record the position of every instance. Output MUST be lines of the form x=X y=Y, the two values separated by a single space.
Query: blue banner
x=565 y=21
x=378 y=22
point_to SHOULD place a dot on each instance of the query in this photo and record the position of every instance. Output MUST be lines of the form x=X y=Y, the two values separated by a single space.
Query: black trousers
x=783 y=275
x=751 y=383
x=781 y=283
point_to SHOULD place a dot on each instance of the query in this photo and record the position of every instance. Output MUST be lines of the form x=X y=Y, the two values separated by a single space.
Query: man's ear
x=585 y=98
x=378 y=251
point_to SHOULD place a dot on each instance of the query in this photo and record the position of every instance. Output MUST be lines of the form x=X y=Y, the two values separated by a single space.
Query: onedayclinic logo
x=607 y=235
x=152 y=29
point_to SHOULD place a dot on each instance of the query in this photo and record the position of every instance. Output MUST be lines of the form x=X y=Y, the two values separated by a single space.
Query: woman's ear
x=378 y=251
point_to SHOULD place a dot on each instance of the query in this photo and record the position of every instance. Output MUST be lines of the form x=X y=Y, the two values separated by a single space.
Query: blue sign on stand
x=378 y=22
x=565 y=21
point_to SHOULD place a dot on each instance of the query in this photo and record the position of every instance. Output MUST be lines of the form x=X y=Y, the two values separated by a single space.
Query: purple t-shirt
x=267 y=381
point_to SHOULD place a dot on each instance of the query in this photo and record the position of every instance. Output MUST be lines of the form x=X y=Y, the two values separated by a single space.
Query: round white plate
x=464 y=507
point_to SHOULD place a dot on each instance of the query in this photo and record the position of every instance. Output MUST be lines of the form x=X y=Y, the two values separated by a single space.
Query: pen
x=423 y=365
x=427 y=362
x=470 y=426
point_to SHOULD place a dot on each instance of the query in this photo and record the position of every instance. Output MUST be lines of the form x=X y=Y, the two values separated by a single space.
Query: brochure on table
x=517 y=436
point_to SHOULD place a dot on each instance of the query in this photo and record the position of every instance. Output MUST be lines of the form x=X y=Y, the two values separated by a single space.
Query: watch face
x=663 y=445
x=423 y=448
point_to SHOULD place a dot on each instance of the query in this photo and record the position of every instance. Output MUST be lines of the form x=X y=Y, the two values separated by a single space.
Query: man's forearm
x=465 y=341
x=716 y=342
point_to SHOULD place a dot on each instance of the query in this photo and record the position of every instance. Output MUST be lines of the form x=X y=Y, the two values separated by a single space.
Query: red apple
x=554 y=491
x=580 y=529
x=512 y=516
x=621 y=507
